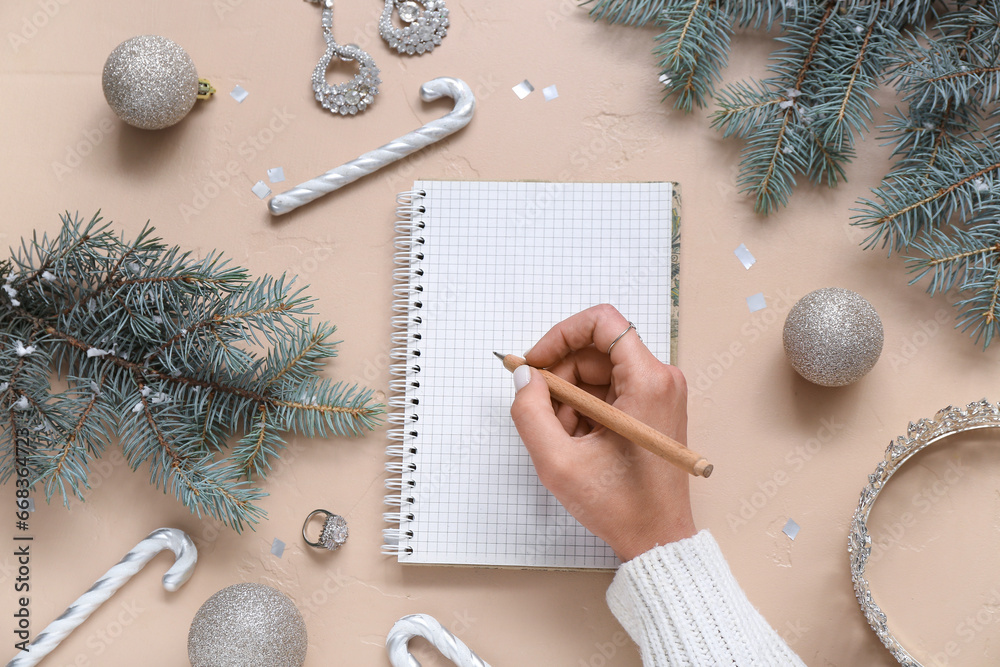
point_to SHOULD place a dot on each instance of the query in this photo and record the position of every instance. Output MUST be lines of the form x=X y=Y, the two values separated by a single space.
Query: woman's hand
x=627 y=496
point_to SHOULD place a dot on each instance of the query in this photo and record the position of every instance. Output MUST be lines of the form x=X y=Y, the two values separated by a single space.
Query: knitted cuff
x=682 y=606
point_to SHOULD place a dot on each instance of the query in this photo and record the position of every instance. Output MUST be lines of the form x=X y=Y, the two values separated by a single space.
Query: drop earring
x=357 y=94
x=424 y=27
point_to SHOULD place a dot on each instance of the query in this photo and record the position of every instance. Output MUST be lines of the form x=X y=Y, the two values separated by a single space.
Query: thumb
x=534 y=418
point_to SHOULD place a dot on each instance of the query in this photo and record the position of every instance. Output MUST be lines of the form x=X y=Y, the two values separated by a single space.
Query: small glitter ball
x=833 y=337
x=150 y=82
x=248 y=625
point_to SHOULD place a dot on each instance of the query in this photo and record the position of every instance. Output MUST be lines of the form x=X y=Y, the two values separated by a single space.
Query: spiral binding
x=407 y=324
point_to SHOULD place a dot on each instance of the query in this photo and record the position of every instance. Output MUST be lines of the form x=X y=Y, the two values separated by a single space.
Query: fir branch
x=745 y=106
x=919 y=137
x=192 y=482
x=692 y=48
x=779 y=115
x=364 y=412
x=856 y=76
x=629 y=12
x=955 y=257
x=82 y=237
x=249 y=460
x=256 y=316
x=64 y=470
x=978 y=313
x=760 y=14
x=850 y=101
x=255 y=451
x=933 y=74
x=318 y=407
x=300 y=356
x=817 y=37
x=161 y=351
x=210 y=425
x=965 y=29
x=826 y=161
x=940 y=132
x=960 y=86
x=911 y=203
x=72 y=439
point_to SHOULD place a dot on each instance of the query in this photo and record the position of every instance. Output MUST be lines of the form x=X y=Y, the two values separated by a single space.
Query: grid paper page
x=502 y=263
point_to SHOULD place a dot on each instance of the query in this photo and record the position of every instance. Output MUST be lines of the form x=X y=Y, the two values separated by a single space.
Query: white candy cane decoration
x=157 y=541
x=436 y=130
x=422 y=625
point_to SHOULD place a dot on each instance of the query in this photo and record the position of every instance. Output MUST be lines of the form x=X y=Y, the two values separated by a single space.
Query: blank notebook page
x=501 y=263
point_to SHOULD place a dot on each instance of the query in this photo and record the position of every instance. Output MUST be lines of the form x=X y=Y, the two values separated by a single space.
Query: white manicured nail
x=522 y=376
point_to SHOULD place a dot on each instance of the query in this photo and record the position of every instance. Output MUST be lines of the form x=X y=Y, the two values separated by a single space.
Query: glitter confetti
x=239 y=94
x=791 y=529
x=276 y=175
x=550 y=93
x=523 y=89
x=745 y=256
x=277 y=547
x=756 y=302
x=260 y=189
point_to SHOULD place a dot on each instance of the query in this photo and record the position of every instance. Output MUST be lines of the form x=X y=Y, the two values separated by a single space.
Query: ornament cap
x=205 y=89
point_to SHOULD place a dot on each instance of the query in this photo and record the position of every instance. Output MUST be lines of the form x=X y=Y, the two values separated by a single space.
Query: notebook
x=484 y=266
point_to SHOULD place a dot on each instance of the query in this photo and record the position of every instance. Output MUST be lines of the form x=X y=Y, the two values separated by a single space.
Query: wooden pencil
x=624 y=424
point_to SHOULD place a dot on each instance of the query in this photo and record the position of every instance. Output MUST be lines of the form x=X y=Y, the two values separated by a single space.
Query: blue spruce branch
x=159 y=352
x=940 y=202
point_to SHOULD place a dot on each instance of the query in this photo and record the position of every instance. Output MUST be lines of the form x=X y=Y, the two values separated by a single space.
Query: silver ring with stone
x=334 y=532
x=627 y=329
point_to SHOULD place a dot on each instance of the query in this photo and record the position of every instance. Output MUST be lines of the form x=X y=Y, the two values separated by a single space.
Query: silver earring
x=358 y=93
x=424 y=29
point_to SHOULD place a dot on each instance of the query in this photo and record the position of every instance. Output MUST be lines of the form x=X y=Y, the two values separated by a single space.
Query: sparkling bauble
x=150 y=82
x=248 y=625
x=833 y=337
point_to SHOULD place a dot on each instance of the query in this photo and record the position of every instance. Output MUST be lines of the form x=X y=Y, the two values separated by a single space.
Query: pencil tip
x=498 y=356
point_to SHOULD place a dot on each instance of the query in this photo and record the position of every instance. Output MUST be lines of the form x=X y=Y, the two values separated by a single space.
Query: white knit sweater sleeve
x=682 y=606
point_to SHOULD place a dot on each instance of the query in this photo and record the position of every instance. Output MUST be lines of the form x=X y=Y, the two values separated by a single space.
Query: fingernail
x=528 y=351
x=522 y=376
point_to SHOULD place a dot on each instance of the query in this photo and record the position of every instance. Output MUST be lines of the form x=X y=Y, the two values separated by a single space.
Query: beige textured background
x=782 y=448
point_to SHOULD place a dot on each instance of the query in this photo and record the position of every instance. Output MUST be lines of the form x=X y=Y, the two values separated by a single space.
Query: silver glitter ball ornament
x=833 y=337
x=248 y=625
x=150 y=82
